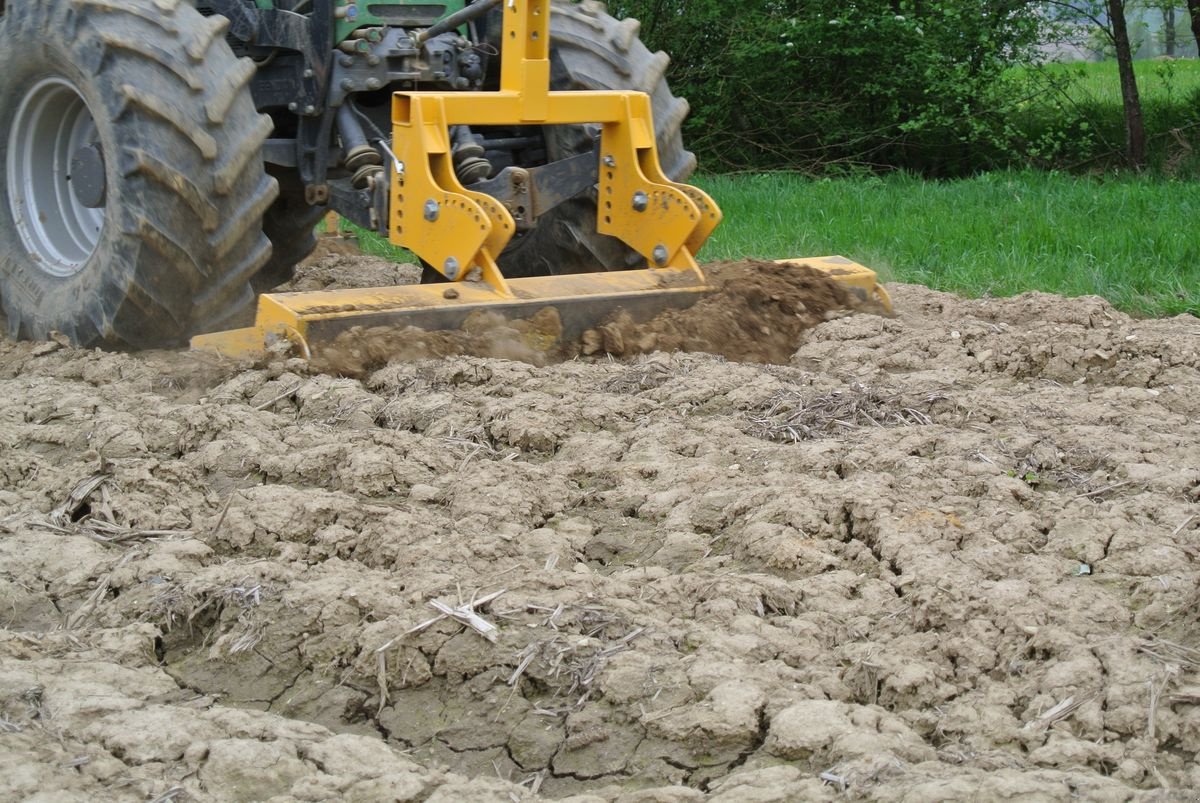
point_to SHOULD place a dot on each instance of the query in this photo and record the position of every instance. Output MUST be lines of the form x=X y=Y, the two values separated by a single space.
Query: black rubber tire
x=592 y=50
x=290 y=225
x=186 y=191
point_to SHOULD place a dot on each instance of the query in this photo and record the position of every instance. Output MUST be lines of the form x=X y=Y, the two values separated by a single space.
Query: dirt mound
x=757 y=313
x=952 y=554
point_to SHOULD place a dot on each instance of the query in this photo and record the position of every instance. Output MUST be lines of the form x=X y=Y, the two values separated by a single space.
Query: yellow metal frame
x=456 y=230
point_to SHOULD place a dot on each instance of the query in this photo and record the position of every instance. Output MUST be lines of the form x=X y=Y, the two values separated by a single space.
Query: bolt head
x=609 y=161
x=450 y=268
x=432 y=210
x=640 y=201
x=660 y=255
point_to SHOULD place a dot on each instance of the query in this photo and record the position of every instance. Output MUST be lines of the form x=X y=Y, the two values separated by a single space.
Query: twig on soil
x=657 y=715
x=1104 y=490
x=64 y=514
x=1185 y=524
x=790 y=417
x=1156 y=692
x=280 y=397
x=1189 y=696
x=837 y=780
x=109 y=533
x=224 y=512
x=89 y=605
x=464 y=614
x=169 y=795
x=1170 y=653
x=537 y=779
x=526 y=655
x=1058 y=712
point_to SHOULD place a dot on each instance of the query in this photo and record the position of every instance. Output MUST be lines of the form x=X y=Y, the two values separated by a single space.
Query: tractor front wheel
x=131 y=172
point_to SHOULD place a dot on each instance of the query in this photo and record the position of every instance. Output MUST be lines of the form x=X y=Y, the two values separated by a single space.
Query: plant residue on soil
x=952 y=554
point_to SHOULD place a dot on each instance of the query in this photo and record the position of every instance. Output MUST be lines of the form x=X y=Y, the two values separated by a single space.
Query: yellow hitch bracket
x=456 y=230
x=432 y=214
x=861 y=281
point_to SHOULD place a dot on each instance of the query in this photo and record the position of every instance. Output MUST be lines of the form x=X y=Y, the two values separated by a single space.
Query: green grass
x=1132 y=240
x=1164 y=81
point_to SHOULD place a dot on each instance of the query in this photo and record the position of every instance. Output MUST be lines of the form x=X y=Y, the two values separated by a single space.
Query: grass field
x=1132 y=240
x=1159 y=81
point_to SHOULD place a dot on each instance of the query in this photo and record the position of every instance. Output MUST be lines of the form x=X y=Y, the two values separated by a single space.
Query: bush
x=791 y=84
x=939 y=87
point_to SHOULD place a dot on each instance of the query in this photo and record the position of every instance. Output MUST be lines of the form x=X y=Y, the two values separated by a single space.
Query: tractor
x=164 y=162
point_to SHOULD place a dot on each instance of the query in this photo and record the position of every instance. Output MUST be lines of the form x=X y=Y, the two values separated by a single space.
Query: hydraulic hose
x=458 y=18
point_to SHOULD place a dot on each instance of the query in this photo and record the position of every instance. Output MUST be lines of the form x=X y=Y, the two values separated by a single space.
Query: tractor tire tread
x=179 y=251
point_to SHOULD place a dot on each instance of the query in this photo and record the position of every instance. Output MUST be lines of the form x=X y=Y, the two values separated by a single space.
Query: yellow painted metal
x=310 y=318
x=456 y=230
x=295 y=316
x=861 y=281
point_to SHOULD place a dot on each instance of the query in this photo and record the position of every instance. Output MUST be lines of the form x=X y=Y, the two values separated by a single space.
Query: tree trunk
x=1194 y=13
x=1169 y=31
x=1135 y=125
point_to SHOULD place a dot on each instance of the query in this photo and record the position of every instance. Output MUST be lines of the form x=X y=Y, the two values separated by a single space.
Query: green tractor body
x=352 y=16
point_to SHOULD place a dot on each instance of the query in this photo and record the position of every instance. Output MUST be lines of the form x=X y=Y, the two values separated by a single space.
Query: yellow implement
x=460 y=232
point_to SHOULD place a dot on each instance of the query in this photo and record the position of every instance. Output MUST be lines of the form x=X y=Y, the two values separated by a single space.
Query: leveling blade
x=310 y=320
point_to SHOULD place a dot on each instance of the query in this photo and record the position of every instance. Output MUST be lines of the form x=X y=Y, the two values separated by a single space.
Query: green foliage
x=1074 y=118
x=940 y=87
x=1128 y=238
x=803 y=84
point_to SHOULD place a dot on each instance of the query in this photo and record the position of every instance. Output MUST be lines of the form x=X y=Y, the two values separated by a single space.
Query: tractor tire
x=592 y=50
x=131 y=172
x=290 y=224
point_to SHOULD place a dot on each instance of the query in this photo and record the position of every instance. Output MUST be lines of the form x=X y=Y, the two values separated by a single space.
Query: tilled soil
x=756 y=313
x=953 y=554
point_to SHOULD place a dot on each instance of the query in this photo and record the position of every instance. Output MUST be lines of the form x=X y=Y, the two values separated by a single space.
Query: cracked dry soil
x=948 y=555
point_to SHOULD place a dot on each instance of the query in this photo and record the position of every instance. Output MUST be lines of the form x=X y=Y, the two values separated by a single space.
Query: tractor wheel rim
x=53 y=123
